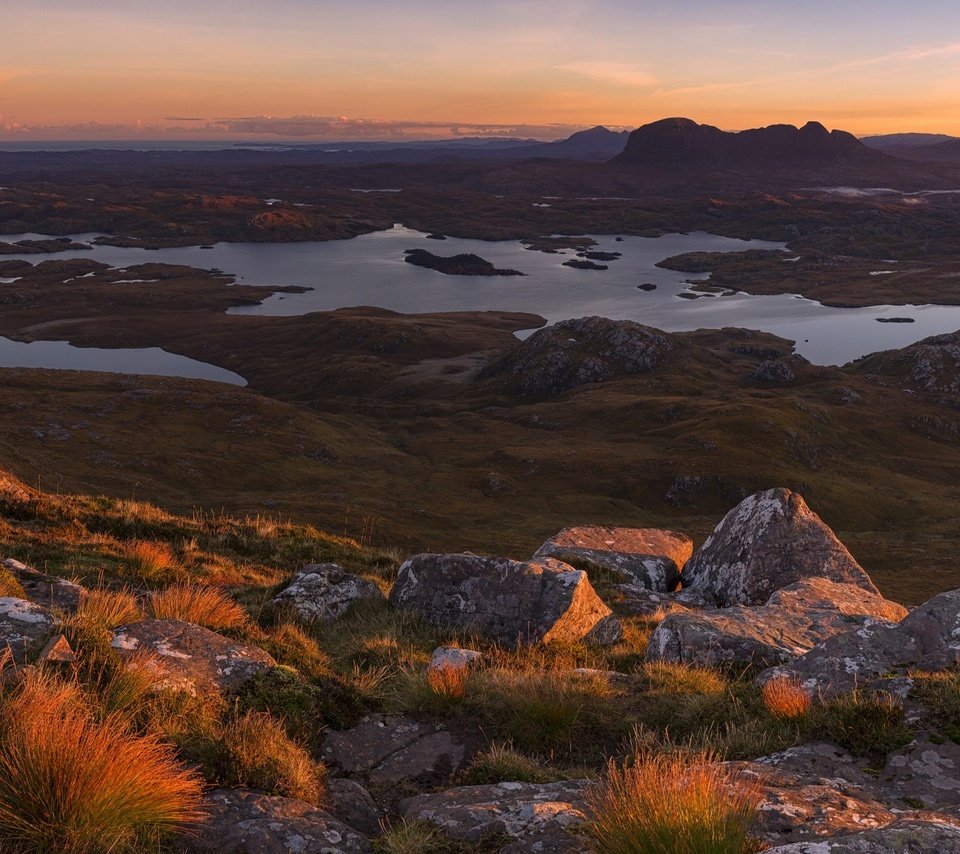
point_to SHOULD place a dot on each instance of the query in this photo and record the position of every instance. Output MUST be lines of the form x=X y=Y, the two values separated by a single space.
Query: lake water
x=149 y=360
x=370 y=270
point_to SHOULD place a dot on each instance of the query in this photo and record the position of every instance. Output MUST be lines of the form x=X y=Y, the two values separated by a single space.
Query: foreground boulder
x=47 y=590
x=503 y=600
x=25 y=627
x=536 y=816
x=191 y=657
x=768 y=541
x=647 y=557
x=909 y=836
x=323 y=592
x=928 y=638
x=244 y=822
x=793 y=621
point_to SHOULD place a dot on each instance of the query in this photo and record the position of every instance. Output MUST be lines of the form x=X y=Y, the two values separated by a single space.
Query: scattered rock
x=47 y=590
x=928 y=638
x=453 y=656
x=537 y=817
x=646 y=557
x=503 y=600
x=641 y=602
x=24 y=627
x=191 y=657
x=394 y=748
x=768 y=541
x=244 y=822
x=352 y=804
x=323 y=592
x=58 y=649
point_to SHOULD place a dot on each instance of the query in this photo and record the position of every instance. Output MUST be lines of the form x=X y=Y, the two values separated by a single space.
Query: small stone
x=57 y=649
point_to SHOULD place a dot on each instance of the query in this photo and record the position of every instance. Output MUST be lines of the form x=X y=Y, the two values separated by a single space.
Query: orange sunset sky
x=373 y=69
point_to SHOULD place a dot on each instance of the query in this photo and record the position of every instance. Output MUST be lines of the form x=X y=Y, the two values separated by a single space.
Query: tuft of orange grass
x=202 y=606
x=786 y=698
x=107 y=608
x=150 y=559
x=448 y=682
x=75 y=785
x=668 y=803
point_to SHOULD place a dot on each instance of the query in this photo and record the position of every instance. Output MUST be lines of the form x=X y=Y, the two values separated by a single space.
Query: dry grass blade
x=786 y=698
x=449 y=682
x=107 y=608
x=151 y=560
x=664 y=804
x=202 y=606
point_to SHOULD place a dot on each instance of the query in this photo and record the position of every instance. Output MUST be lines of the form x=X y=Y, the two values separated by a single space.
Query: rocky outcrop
x=769 y=541
x=908 y=836
x=323 y=592
x=245 y=822
x=503 y=600
x=25 y=627
x=190 y=657
x=389 y=749
x=928 y=638
x=537 y=817
x=47 y=590
x=646 y=557
x=588 y=350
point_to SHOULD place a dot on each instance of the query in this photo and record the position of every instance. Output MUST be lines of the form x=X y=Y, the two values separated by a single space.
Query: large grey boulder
x=323 y=592
x=538 y=817
x=190 y=657
x=503 y=600
x=25 y=627
x=244 y=822
x=647 y=557
x=768 y=541
x=928 y=638
x=908 y=836
x=791 y=623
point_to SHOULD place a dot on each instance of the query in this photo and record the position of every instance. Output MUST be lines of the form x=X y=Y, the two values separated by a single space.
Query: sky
x=381 y=69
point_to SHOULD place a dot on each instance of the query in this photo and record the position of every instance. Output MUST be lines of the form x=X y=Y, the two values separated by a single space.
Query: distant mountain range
x=925 y=147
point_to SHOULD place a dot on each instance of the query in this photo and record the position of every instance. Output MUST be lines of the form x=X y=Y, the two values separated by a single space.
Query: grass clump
x=151 y=560
x=449 y=682
x=503 y=763
x=421 y=837
x=865 y=724
x=253 y=749
x=202 y=606
x=940 y=693
x=10 y=586
x=786 y=698
x=76 y=785
x=289 y=643
x=107 y=609
x=669 y=803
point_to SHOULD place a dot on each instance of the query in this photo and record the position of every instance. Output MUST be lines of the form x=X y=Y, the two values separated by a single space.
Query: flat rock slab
x=538 y=817
x=648 y=557
x=768 y=541
x=505 y=601
x=928 y=638
x=927 y=772
x=47 y=590
x=903 y=837
x=323 y=592
x=191 y=657
x=764 y=636
x=244 y=822
x=824 y=594
x=25 y=627
x=393 y=748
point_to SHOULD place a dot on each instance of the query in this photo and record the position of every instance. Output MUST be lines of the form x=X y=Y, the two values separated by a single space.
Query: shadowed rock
x=47 y=590
x=324 y=592
x=768 y=541
x=503 y=600
x=646 y=557
x=908 y=836
x=253 y=823
x=191 y=657
x=24 y=627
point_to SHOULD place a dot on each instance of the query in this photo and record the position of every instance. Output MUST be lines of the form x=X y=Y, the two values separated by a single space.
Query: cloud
x=616 y=73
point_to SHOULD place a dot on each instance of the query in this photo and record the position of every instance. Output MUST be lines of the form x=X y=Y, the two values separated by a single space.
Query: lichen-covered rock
x=641 y=602
x=191 y=657
x=647 y=557
x=393 y=749
x=323 y=592
x=454 y=657
x=25 y=627
x=908 y=836
x=768 y=541
x=353 y=805
x=47 y=590
x=538 y=817
x=926 y=771
x=762 y=636
x=244 y=822
x=824 y=594
x=586 y=350
x=506 y=601
x=928 y=638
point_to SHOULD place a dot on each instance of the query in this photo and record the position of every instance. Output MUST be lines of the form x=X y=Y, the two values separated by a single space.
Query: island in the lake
x=465 y=264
